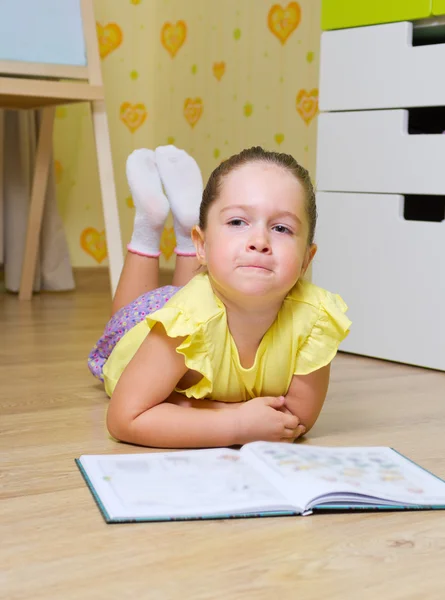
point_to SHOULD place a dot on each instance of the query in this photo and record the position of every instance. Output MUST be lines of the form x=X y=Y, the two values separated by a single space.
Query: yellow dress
x=304 y=337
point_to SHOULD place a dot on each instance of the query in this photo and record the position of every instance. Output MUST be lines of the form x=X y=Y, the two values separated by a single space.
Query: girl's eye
x=282 y=229
x=236 y=222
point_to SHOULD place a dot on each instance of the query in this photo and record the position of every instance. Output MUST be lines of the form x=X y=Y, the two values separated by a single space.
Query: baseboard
x=96 y=279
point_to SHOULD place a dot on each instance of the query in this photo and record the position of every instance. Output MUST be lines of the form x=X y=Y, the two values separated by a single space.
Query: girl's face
x=255 y=242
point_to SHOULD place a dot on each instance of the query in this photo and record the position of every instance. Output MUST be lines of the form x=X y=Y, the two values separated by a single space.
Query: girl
x=240 y=351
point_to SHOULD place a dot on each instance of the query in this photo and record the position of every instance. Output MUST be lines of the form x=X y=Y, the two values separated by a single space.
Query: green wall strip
x=438 y=7
x=339 y=14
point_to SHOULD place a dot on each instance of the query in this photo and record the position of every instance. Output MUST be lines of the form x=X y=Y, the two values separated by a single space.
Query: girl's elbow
x=310 y=421
x=117 y=426
x=128 y=428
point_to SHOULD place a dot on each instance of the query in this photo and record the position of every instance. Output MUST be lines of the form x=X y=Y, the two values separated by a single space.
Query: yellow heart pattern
x=283 y=21
x=58 y=171
x=173 y=36
x=193 y=108
x=247 y=109
x=168 y=242
x=133 y=115
x=219 y=69
x=94 y=244
x=307 y=104
x=61 y=112
x=279 y=138
x=109 y=38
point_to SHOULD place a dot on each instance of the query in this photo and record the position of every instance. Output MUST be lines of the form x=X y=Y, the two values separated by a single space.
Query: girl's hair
x=257 y=154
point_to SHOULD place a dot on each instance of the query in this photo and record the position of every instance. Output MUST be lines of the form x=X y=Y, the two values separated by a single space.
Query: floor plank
x=54 y=543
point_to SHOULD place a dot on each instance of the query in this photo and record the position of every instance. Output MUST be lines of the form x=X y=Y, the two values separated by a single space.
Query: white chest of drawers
x=381 y=191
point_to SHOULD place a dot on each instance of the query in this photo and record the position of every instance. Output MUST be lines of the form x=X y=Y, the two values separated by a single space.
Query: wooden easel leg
x=108 y=190
x=39 y=186
x=2 y=154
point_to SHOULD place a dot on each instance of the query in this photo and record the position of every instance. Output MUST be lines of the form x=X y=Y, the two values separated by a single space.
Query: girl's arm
x=306 y=395
x=181 y=400
x=138 y=414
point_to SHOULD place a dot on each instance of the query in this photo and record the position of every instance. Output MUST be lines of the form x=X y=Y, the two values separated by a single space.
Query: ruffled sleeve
x=329 y=329
x=177 y=324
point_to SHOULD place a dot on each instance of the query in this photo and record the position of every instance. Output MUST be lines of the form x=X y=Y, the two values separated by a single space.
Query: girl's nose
x=259 y=242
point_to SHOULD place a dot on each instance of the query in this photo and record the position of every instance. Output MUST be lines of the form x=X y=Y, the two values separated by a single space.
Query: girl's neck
x=249 y=320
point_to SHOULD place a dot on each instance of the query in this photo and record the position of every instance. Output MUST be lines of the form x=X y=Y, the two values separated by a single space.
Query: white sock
x=182 y=182
x=151 y=205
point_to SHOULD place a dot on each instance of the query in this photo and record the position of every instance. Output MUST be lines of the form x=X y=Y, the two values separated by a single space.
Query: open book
x=261 y=479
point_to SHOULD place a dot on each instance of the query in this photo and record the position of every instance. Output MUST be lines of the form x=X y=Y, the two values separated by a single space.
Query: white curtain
x=17 y=151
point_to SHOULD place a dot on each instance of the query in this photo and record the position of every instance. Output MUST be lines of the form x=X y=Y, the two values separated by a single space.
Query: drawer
x=337 y=14
x=390 y=272
x=378 y=67
x=372 y=151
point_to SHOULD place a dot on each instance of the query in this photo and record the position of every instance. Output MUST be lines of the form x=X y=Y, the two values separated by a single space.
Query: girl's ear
x=310 y=253
x=198 y=240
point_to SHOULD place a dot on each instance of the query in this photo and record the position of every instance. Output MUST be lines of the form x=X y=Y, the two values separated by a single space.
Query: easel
x=45 y=85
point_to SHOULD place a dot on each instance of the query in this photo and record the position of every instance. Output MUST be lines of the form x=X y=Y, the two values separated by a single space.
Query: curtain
x=17 y=152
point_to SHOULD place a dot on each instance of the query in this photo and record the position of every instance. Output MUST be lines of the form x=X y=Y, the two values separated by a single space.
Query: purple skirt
x=121 y=322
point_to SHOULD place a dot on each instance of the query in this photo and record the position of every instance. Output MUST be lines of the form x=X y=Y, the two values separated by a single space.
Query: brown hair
x=257 y=154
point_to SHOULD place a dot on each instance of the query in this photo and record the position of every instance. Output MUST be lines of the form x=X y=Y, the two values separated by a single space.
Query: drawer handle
x=427 y=32
x=426 y=120
x=424 y=208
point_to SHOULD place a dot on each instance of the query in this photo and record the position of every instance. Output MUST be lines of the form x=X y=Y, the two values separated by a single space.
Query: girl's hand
x=267 y=419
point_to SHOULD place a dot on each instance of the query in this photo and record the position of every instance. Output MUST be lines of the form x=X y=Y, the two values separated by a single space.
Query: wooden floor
x=55 y=545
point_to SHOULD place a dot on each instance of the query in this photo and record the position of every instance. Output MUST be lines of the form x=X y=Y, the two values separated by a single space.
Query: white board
x=42 y=31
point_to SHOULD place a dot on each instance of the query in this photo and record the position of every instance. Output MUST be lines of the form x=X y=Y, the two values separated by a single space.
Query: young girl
x=240 y=349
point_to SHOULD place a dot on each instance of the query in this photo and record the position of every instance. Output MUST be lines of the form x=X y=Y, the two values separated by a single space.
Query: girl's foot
x=151 y=204
x=182 y=182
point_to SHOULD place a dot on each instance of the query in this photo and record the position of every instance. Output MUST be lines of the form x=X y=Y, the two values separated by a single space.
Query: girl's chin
x=251 y=284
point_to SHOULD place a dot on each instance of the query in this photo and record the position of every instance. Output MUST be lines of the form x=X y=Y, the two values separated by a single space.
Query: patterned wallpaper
x=209 y=76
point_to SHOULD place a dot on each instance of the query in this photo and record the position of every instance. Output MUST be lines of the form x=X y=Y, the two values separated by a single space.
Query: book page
x=310 y=471
x=190 y=483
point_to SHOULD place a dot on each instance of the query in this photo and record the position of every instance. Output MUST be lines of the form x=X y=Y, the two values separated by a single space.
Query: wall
x=211 y=77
